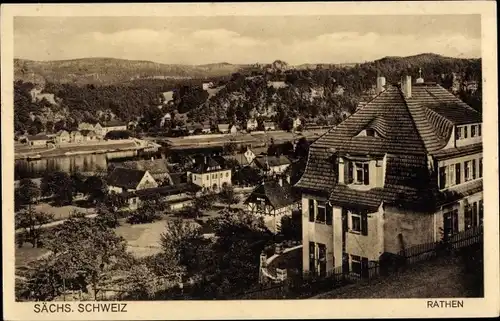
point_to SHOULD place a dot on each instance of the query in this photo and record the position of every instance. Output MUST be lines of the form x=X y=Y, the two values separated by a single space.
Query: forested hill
x=278 y=92
x=107 y=71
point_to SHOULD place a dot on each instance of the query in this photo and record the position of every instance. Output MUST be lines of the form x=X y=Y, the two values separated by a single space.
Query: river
x=76 y=163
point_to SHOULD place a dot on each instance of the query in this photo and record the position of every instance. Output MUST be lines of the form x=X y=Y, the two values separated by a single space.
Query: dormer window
x=370 y=132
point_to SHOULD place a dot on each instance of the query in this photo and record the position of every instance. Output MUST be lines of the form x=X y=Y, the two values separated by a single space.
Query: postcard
x=250 y=160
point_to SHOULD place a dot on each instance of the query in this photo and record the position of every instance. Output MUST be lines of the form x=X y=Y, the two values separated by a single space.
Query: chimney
x=380 y=84
x=406 y=86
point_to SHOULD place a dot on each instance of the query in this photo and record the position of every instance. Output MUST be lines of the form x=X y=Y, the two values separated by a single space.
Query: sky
x=247 y=39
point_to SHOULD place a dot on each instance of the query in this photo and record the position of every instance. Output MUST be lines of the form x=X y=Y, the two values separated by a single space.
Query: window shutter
x=364 y=223
x=350 y=169
x=458 y=176
x=364 y=267
x=329 y=213
x=473 y=169
x=311 y=210
x=366 y=174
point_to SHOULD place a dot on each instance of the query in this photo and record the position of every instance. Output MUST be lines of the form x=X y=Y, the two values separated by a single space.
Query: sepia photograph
x=204 y=157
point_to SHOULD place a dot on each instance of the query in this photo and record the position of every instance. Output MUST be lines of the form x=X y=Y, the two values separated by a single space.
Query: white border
x=292 y=309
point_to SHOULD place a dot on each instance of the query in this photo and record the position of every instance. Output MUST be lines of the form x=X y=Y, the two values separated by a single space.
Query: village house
x=37 y=140
x=252 y=124
x=209 y=174
x=296 y=123
x=158 y=168
x=113 y=125
x=62 y=137
x=75 y=136
x=271 y=165
x=122 y=180
x=227 y=128
x=405 y=169
x=89 y=136
x=86 y=126
x=269 y=125
x=177 y=196
x=206 y=128
x=272 y=200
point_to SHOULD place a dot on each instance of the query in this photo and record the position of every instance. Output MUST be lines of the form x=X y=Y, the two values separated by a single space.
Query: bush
x=147 y=213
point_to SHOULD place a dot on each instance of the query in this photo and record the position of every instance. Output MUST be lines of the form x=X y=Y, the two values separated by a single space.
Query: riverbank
x=27 y=152
x=254 y=138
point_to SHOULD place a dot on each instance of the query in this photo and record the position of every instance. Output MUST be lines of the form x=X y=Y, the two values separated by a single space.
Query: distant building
x=113 y=125
x=209 y=174
x=223 y=128
x=252 y=124
x=75 y=136
x=62 y=137
x=89 y=135
x=271 y=165
x=158 y=168
x=268 y=125
x=206 y=128
x=129 y=180
x=37 y=140
x=86 y=126
x=272 y=200
x=296 y=123
x=207 y=85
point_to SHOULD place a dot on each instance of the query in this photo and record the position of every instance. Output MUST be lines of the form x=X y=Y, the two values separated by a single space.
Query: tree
x=96 y=188
x=291 y=227
x=86 y=252
x=302 y=148
x=58 y=184
x=180 y=243
x=31 y=222
x=230 y=148
x=147 y=213
x=228 y=196
x=107 y=216
x=27 y=193
x=78 y=183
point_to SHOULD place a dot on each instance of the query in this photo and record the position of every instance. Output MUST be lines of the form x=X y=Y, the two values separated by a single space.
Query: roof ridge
x=414 y=124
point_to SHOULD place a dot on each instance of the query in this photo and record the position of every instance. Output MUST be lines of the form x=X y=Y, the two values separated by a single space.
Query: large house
x=210 y=174
x=404 y=170
x=272 y=200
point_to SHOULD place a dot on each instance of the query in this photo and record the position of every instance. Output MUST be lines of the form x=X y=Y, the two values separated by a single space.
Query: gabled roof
x=125 y=177
x=38 y=137
x=264 y=160
x=277 y=196
x=155 y=166
x=240 y=158
x=114 y=123
x=206 y=165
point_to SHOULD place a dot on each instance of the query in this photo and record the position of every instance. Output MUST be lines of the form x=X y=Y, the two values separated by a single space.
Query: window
x=467 y=169
x=350 y=172
x=370 y=132
x=475 y=218
x=473 y=169
x=227 y=174
x=311 y=210
x=473 y=131
x=322 y=259
x=355 y=223
x=458 y=133
x=479 y=130
x=480 y=174
x=194 y=177
x=207 y=177
x=458 y=173
x=356 y=264
x=442 y=177
x=450 y=223
x=480 y=212
x=468 y=216
x=465 y=131
x=359 y=223
x=329 y=214
x=362 y=174
x=451 y=175
x=321 y=216
x=312 y=255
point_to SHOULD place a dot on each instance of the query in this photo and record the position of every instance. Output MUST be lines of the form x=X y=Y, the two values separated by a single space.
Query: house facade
x=272 y=200
x=37 y=140
x=252 y=124
x=210 y=175
x=75 y=136
x=112 y=125
x=401 y=171
x=62 y=137
x=125 y=181
x=269 y=126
